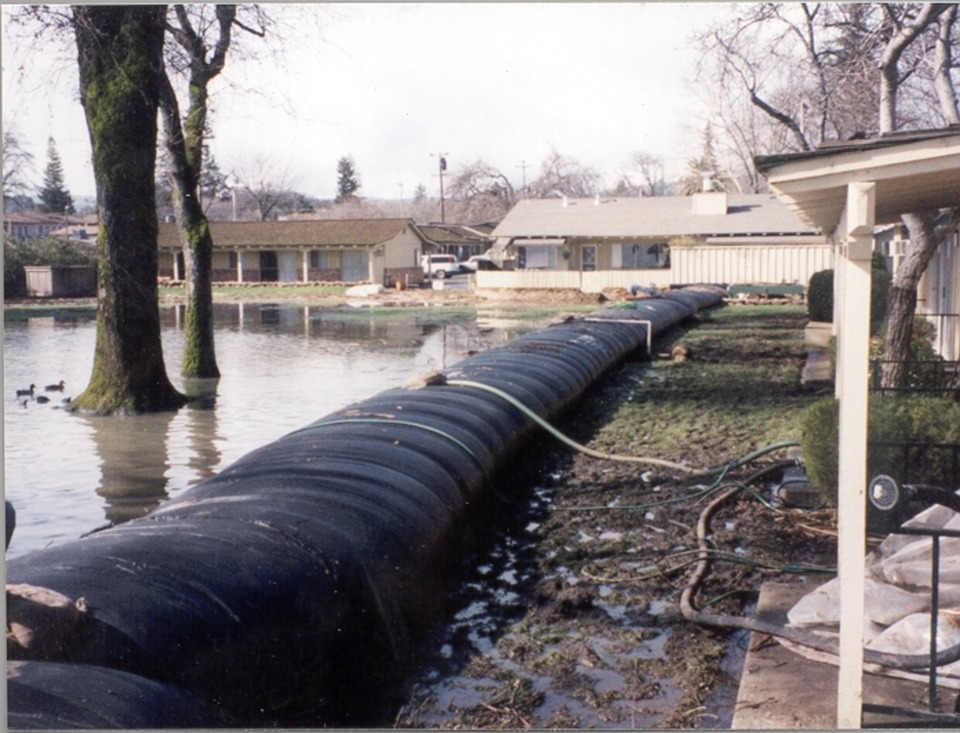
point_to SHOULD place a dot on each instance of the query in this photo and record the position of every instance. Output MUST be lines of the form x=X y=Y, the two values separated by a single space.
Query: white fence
x=722 y=265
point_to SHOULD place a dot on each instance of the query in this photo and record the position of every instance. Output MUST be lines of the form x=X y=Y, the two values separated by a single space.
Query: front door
x=588 y=257
x=269 y=271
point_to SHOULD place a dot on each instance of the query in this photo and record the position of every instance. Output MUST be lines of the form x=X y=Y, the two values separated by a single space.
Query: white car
x=439 y=265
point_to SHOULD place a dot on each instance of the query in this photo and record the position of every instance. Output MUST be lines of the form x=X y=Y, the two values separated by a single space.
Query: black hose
x=797 y=636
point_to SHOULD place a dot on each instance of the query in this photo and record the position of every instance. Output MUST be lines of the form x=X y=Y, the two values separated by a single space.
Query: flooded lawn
x=283 y=366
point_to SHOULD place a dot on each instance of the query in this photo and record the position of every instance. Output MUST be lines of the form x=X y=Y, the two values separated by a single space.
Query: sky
x=396 y=85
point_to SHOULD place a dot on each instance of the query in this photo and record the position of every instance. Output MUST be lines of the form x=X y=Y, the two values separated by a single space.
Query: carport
x=845 y=190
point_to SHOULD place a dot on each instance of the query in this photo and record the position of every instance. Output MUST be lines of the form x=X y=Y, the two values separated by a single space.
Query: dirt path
x=571 y=620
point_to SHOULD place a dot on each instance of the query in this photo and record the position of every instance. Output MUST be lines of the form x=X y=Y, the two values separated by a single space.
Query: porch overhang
x=916 y=175
x=845 y=190
x=541 y=241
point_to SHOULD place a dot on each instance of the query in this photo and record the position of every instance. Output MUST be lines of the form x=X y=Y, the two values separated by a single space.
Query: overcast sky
x=393 y=85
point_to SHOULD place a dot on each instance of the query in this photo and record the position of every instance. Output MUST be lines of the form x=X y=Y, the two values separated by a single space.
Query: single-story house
x=384 y=251
x=847 y=190
x=460 y=240
x=34 y=225
x=711 y=237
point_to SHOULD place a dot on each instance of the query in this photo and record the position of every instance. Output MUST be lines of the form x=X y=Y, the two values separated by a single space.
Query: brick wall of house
x=323 y=275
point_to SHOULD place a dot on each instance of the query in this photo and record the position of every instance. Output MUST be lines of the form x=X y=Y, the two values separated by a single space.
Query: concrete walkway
x=780 y=689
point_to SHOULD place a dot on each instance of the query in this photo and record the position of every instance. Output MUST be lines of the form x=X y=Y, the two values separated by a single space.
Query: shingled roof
x=316 y=233
x=656 y=216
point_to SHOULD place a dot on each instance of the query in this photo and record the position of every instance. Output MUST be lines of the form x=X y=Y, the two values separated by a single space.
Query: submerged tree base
x=114 y=402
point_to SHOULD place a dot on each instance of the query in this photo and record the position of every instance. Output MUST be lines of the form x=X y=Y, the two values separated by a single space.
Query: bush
x=901 y=419
x=20 y=253
x=820 y=294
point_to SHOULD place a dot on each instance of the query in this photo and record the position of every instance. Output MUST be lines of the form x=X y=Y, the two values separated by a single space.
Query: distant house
x=36 y=225
x=384 y=251
x=600 y=243
x=459 y=240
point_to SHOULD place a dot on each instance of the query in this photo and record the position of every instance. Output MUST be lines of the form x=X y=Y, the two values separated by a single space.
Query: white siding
x=748 y=264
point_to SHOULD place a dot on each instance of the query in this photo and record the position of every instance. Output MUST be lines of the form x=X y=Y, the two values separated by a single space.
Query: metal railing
x=929 y=377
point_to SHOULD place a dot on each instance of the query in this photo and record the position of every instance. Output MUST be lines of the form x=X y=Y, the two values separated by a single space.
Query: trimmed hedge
x=892 y=419
x=820 y=294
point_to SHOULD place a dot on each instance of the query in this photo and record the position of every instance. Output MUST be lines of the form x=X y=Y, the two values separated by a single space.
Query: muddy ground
x=571 y=617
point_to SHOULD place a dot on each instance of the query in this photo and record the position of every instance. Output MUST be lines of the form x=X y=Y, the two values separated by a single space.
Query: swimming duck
x=55 y=387
x=42 y=400
x=26 y=392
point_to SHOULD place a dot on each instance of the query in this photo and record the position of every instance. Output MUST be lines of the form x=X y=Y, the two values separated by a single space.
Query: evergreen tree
x=347 y=182
x=54 y=196
x=420 y=194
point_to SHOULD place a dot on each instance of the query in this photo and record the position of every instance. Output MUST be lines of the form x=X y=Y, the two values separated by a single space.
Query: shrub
x=820 y=296
x=20 y=253
x=901 y=419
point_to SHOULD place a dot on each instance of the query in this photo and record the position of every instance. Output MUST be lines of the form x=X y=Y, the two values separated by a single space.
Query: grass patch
x=740 y=391
x=251 y=293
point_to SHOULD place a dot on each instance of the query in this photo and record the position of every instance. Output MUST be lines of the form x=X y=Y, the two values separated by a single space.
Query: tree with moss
x=120 y=58
x=54 y=196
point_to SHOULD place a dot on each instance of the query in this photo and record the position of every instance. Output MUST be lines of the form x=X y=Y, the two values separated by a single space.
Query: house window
x=644 y=256
x=233 y=261
x=540 y=257
x=319 y=259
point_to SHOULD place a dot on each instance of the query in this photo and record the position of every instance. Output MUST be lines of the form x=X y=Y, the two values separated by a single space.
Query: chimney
x=707 y=181
x=596 y=200
x=711 y=203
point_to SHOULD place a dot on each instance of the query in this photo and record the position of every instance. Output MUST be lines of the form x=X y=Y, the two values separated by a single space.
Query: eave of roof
x=318 y=233
x=911 y=171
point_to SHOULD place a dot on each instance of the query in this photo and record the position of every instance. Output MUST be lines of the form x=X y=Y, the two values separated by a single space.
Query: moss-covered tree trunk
x=184 y=141
x=120 y=55
x=186 y=150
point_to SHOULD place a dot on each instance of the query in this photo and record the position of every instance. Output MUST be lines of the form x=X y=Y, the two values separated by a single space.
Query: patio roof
x=913 y=171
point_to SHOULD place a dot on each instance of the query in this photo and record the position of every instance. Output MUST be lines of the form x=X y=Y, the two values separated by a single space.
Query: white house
x=599 y=243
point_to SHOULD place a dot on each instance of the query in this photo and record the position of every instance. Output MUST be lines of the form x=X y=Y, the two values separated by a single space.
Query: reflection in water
x=282 y=367
x=133 y=463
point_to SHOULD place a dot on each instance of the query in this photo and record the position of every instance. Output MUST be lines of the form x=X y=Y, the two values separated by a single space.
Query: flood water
x=282 y=367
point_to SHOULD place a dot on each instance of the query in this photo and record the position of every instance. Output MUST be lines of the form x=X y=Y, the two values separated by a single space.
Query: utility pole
x=523 y=171
x=442 y=163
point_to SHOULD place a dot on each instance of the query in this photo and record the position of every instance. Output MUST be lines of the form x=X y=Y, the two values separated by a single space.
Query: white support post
x=853 y=358
x=239 y=265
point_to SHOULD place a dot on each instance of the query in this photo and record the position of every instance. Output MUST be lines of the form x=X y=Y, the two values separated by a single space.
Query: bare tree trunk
x=926 y=234
x=120 y=51
x=889 y=62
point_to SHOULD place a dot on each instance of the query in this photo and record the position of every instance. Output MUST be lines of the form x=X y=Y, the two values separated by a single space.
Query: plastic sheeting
x=294 y=587
x=897 y=599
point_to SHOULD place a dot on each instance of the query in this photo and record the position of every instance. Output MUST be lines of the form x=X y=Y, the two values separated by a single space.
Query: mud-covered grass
x=597 y=638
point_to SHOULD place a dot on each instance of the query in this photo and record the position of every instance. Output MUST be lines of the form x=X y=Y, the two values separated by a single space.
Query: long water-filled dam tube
x=302 y=576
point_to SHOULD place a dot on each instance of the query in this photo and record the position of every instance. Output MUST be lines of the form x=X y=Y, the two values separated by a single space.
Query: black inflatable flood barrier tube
x=277 y=591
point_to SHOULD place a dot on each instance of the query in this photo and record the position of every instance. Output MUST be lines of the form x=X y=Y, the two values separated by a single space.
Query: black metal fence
x=927 y=377
x=917 y=462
